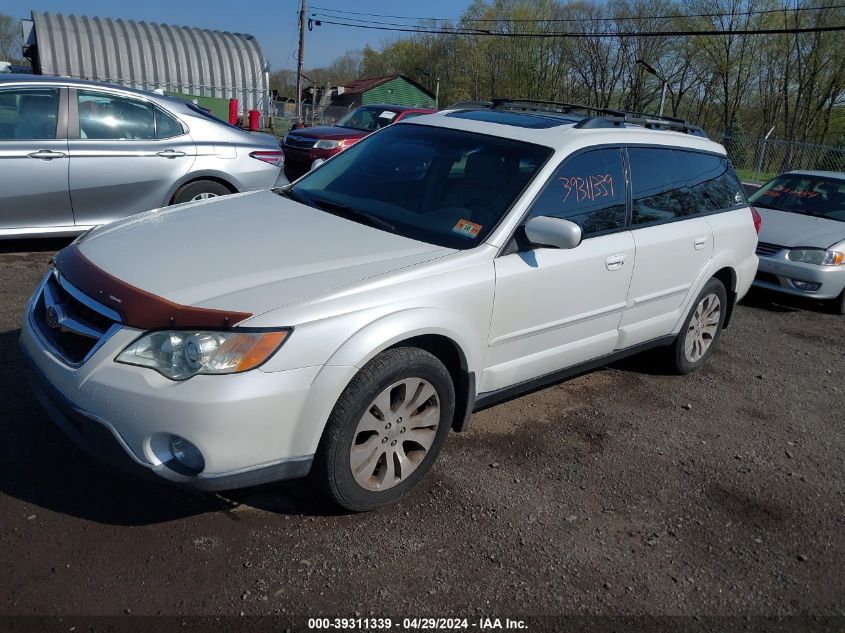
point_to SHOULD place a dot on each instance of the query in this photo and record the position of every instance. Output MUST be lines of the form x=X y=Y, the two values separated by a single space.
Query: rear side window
x=109 y=117
x=166 y=125
x=588 y=189
x=659 y=186
x=713 y=185
x=28 y=114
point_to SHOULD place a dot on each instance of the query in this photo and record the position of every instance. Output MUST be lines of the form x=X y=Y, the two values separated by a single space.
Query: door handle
x=700 y=242
x=46 y=154
x=170 y=153
x=615 y=262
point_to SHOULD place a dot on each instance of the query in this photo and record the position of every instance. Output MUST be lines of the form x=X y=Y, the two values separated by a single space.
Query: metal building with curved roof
x=150 y=56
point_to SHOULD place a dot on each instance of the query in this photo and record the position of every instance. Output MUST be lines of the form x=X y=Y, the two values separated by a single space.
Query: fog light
x=187 y=455
x=809 y=286
x=317 y=163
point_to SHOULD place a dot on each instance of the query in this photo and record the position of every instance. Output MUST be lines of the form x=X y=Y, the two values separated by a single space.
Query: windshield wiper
x=339 y=209
x=288 y=192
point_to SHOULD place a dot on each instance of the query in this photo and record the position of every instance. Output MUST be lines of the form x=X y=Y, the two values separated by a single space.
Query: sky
x=273 y=22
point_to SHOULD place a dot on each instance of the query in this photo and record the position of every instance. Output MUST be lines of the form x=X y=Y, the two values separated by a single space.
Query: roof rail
x=600 y=117
x=651 y=122
x=538 y=105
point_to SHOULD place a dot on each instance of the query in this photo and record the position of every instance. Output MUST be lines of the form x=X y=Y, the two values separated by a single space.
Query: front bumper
x=251 y=428
x=776 y=272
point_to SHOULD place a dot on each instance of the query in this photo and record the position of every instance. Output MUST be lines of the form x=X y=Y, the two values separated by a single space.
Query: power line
x=484 y=32
x=324 y=11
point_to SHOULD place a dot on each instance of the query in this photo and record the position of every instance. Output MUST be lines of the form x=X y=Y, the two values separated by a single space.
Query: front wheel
x=702 y=329
x=386 y=429
x=839 y=304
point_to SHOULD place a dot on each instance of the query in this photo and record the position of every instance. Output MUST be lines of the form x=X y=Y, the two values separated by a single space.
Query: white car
x=802 y=243
x=343 y=325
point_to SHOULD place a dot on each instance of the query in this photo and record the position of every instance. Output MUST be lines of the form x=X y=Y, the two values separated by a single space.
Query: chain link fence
x=311 y=115
x=759 y=160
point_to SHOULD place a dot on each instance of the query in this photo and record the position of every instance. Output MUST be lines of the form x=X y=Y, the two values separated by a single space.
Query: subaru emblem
x=52 y=317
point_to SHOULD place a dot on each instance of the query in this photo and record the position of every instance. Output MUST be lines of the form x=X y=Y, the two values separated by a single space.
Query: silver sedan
x=802 y=240
x=76 y=154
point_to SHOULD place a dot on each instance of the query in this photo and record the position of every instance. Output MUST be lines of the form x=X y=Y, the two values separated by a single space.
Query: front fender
x=394 y=328
x=365 y=344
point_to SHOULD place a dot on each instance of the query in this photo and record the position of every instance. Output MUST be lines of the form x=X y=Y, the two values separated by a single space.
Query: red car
x=303 y=147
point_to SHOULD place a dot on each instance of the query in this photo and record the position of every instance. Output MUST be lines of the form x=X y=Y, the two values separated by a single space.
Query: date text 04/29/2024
x=423 y=624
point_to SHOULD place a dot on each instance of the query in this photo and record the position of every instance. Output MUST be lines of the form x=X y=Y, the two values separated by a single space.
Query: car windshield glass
x=437 y=185
x=367 y=119
x=810 y=195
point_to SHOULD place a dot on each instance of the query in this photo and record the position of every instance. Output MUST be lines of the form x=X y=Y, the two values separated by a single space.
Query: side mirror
x=552 y=232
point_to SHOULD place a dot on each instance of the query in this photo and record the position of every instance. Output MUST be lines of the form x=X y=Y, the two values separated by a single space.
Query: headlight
x=323 y=144
x=179 y=354
x=816 y=256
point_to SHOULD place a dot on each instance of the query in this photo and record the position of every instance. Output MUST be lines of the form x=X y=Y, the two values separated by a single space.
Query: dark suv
x=304 y=147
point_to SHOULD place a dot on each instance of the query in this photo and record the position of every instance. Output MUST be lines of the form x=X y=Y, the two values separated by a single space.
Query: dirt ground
x=623 y=491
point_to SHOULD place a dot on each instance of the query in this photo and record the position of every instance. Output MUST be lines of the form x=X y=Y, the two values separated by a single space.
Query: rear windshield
x=437 y=185
x=195 y=108
x=808 y=195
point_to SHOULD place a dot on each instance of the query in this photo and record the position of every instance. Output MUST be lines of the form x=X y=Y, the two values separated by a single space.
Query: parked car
x=802 y=243
x=75 y=154
x=343 y=325
x=306 y=148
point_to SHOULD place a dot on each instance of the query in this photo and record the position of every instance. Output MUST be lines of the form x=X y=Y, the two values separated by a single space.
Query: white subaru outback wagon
x=341 y=326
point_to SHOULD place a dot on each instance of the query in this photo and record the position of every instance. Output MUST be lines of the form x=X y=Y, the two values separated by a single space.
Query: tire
x=698 y=337
x=198 y=190
x=383 y=445
x=839 y=304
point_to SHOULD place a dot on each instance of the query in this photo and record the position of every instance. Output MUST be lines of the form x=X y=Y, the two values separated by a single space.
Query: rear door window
x=29 y=114
x=110 y=117
x=588 y=189
x=659 y=186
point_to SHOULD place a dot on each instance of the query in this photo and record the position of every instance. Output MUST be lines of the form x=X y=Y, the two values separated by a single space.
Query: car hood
x=793 y=229
x=247 y=252
x=329 y=132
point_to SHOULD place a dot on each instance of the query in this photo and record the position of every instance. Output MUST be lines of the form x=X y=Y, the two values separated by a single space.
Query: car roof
x=560 y=131
x=71 y=81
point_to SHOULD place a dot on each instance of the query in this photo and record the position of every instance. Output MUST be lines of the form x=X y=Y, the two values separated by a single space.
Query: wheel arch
x=727 y=275
x=448 y=352
x=451 y=343
x=223 y=179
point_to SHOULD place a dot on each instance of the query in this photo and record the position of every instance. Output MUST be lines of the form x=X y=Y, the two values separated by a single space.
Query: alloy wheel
x=204 y=196
x=702 y=328
x=395 y=434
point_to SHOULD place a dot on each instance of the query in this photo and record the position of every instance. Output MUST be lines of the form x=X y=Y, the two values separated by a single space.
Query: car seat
x=36 y=117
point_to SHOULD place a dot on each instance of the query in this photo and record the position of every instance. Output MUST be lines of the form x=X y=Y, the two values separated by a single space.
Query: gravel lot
x=623 y=491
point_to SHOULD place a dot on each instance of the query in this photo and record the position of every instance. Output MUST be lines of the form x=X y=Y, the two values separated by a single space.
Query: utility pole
x=436 y=80
x=300 y=62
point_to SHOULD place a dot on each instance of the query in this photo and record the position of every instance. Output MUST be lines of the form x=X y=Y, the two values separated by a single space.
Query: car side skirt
x=490 y=398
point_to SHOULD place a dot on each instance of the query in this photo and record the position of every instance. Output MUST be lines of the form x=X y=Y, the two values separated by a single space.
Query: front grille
x=767 y=250
x=73 y=325
x=300 y=142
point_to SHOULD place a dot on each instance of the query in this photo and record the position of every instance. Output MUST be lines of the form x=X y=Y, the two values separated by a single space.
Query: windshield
x=437 y=185
x=809 y=195
x=368 y=119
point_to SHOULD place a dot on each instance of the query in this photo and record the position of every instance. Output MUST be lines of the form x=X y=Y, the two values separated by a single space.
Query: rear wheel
x=701 y=331
x=386 y=429
x=200 y=190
